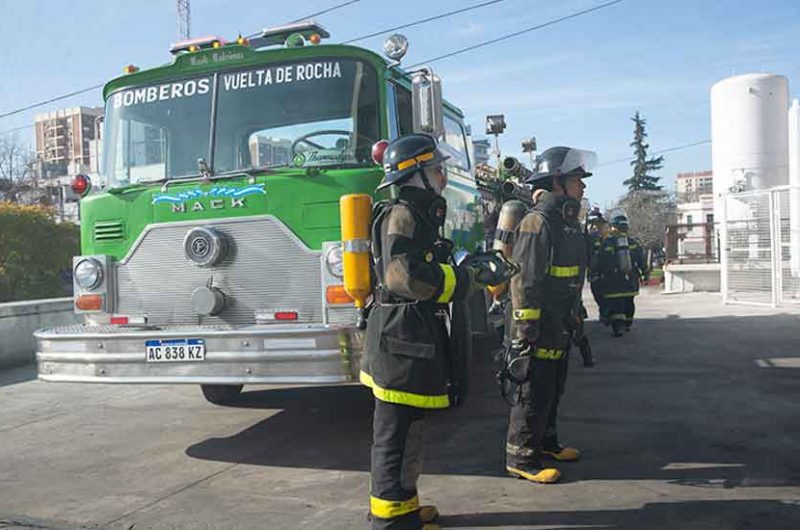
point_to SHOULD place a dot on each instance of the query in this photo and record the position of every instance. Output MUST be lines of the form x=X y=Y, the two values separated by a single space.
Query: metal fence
x=691 y=243
x=761 y=249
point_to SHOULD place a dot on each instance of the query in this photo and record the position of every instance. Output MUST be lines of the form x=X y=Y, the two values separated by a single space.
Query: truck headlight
x=333 y=260
x=88 y=273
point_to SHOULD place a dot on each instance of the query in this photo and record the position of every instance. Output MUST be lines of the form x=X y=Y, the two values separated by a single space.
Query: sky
x=575 y=83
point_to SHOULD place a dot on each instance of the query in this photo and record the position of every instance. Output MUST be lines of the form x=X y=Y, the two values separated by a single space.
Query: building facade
x=695 y=208
x=482 y=151
x=694 y=184
x=63 y=140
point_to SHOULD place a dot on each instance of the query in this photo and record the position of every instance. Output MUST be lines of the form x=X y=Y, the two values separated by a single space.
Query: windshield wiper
x=252 y=170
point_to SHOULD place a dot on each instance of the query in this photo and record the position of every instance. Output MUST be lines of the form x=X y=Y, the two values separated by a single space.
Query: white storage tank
x=749 y=133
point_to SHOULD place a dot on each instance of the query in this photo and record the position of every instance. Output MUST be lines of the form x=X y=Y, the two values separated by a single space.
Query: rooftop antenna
x=184 y=19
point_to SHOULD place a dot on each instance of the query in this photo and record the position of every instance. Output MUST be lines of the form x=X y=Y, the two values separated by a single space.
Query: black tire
x=221 y=394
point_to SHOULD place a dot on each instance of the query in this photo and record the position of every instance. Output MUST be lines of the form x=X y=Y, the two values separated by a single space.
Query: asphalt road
x=691 y=421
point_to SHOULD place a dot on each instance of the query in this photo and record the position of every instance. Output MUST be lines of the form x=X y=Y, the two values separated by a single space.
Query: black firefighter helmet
x=620 y=221
x=562 y=161
x=595 y=216
x=407 y=155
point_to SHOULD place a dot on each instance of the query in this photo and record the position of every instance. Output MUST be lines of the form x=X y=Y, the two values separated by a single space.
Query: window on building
x=689 y=220
x=709 y=218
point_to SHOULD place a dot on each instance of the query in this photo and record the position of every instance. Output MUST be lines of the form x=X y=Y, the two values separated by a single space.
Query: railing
x=761 y=261
x=691 y=243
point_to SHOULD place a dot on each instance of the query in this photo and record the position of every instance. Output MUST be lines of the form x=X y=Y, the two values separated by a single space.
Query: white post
x=723 y=254
x=775 y=247
x=779 y=245
x=794 y=186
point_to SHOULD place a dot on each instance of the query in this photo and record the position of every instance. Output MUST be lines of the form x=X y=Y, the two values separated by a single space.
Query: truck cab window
x=454 y=136
x=405 y=113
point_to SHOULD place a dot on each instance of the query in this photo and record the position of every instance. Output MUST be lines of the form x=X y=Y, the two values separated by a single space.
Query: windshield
x=322 y=112
x=157 y=131
x=314 y=113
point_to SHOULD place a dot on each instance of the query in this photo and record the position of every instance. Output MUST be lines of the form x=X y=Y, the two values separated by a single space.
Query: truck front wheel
x=221 y=394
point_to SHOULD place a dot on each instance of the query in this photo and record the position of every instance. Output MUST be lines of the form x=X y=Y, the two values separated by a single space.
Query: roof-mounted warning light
x=197 y=44
x=292 y=35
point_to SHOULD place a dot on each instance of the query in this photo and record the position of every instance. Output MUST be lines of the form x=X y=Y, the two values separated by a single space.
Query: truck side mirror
x=426 y=97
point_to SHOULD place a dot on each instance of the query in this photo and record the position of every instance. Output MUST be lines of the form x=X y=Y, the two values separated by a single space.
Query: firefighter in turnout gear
x=597 y=232
x=620 y=266
x=551 y=251
x=405 y=361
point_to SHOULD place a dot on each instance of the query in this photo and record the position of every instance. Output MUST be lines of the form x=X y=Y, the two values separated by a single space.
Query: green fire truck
x=210 y=242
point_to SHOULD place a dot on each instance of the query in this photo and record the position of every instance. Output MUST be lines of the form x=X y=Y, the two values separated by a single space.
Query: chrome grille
x=108 y=230
x=266 y=268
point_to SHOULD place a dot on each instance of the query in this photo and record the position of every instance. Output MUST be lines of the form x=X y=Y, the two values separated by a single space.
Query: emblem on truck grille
x=205 y=246
x=216 y=198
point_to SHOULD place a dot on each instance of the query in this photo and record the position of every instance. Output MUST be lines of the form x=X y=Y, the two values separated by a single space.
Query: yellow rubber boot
x=534 y=474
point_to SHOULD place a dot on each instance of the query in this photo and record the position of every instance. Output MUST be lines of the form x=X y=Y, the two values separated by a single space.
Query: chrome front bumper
x=285 y=354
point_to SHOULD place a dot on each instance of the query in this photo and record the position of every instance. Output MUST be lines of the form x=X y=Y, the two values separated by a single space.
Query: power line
x=312 y=15
x=51 y=100
x=324 y=11
x=660 y=151
x=31 y=126
x=422 y=21
x=517 y=33
x=95 y=87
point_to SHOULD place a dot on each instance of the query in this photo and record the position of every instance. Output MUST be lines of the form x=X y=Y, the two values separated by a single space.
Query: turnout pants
x=532 y=424
x=396 y=466
x=597 y=293
x=621 y=309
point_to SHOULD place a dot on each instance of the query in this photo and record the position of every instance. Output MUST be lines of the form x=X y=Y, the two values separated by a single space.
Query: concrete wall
x=18 y=321
x=685 y=278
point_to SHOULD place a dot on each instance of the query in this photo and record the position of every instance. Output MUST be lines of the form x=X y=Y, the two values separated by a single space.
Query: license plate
x=175 y=350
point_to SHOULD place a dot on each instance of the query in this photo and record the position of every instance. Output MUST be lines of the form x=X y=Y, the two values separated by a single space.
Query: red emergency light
x=378 y=150
x=80 y=185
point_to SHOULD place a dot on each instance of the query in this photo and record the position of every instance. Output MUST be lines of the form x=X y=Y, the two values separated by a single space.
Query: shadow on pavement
x=680 y=400
x=699 y=515
x=18 y=374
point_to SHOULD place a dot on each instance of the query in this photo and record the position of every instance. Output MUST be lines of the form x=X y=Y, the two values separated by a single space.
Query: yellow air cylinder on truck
x=510 y=216
x=356 y=216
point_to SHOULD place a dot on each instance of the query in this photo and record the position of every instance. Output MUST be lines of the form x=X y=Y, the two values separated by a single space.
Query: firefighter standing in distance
x=551 y=252
x=597 y=231
x=621 y=266
x=405 y=361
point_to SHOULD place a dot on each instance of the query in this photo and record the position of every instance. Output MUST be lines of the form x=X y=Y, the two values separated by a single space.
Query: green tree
x=35 y=252
x=642 y=178
x=649 y=213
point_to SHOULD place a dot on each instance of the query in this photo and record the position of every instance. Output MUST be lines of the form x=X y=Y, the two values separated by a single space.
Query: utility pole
x=184 y=19
x=529 y=146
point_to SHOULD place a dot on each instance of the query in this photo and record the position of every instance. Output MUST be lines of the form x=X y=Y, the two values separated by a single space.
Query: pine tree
x=642 y=178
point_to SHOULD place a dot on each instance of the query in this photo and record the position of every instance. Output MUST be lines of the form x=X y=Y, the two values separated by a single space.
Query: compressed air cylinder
x=510 y=216
x=356 y=215
x=624 y=262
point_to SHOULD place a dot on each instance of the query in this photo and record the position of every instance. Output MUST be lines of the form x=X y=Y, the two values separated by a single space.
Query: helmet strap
x=425 y=181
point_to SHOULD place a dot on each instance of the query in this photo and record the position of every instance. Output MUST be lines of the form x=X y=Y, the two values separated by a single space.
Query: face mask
x=570 y=211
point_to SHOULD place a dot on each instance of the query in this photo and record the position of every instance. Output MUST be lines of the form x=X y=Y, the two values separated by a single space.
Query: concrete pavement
x=691 y=421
